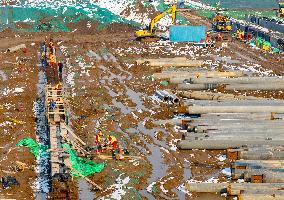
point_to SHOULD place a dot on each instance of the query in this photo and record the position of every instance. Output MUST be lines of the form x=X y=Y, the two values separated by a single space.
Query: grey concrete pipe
x=239 y=173
x=258 y=102
x=182 y=74
x=239 y=80
x=234 y=109
x=223 y=144
x=198 y=95
x=269 y=195
x=16 y=48
x=204 y=86
x=176 y=63
x=261 y=155
x=234 y=187
x=260 y=86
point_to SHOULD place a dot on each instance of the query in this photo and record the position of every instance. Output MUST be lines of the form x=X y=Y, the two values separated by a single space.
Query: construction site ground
x=107 y=90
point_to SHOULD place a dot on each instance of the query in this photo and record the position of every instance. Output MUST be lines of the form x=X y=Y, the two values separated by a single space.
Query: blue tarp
x=187 y=33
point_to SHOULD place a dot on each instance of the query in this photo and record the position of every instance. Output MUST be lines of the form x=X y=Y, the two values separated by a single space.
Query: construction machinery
x=281 y=9
x=150 y=31
x=221 y=23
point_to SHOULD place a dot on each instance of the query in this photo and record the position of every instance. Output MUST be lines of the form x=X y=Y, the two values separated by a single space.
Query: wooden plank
x=70 y=131
x=68 y=164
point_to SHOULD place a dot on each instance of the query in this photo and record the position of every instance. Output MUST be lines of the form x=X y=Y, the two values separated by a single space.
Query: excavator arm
x=172 y=10
x=149 y=32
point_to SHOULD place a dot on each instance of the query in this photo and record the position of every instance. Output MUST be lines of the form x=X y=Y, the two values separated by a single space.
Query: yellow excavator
x=281 y=9
x=150 y=31
x=221 y=23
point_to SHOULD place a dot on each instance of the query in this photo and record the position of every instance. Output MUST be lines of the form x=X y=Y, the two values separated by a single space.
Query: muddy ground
x=108 y=91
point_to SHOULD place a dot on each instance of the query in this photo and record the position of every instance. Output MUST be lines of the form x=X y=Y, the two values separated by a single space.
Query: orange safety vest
x=112 y=139
x=98 y=138
x=51 y=57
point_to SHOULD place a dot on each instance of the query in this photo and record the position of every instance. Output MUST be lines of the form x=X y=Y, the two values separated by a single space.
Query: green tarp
x=84 y=166
x=35 y=148
x=57 y=17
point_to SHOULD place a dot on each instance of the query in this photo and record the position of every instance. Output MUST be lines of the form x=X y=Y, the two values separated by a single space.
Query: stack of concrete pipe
x=230 y=84
x=234 y=126
x=251 y=129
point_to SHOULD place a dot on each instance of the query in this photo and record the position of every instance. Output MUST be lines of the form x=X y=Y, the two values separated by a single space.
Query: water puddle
x=3 y=75
x=85 y=190
x=227 y=60
x=135 y=97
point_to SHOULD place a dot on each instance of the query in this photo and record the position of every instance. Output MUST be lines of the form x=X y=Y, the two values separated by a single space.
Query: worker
x=43 y=59
x=52 y=104
x=238 y=33
x=219 y=37
x=112 y=141
x=51 y=46
x=57 y=87
x=98 y=142
x=51 y=60
x=242 y=35
x=249 y=36
x=99 y=137
x=60 y=70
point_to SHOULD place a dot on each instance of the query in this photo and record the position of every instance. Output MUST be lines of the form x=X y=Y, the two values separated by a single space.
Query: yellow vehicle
x=221 y=23
x=150 y=31
x=281 y=9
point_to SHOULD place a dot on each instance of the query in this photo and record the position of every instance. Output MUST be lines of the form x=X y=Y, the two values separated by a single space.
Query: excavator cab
x=221 y=23
x=281 y=9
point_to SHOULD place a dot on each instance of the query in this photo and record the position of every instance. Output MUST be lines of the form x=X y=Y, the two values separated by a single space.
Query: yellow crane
x=150 y=31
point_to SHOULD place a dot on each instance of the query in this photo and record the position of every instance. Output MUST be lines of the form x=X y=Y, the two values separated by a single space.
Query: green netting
x=164 y=83
x=276 y=50
x=35 y=148
x=268 y=44
x=84 y=166
x=259 y=41
x=58 y=17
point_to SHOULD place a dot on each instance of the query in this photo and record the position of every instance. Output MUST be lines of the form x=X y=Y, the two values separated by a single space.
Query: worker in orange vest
x=51 y=46
x=51 y=60
x=112 y=141
x=98 y=142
